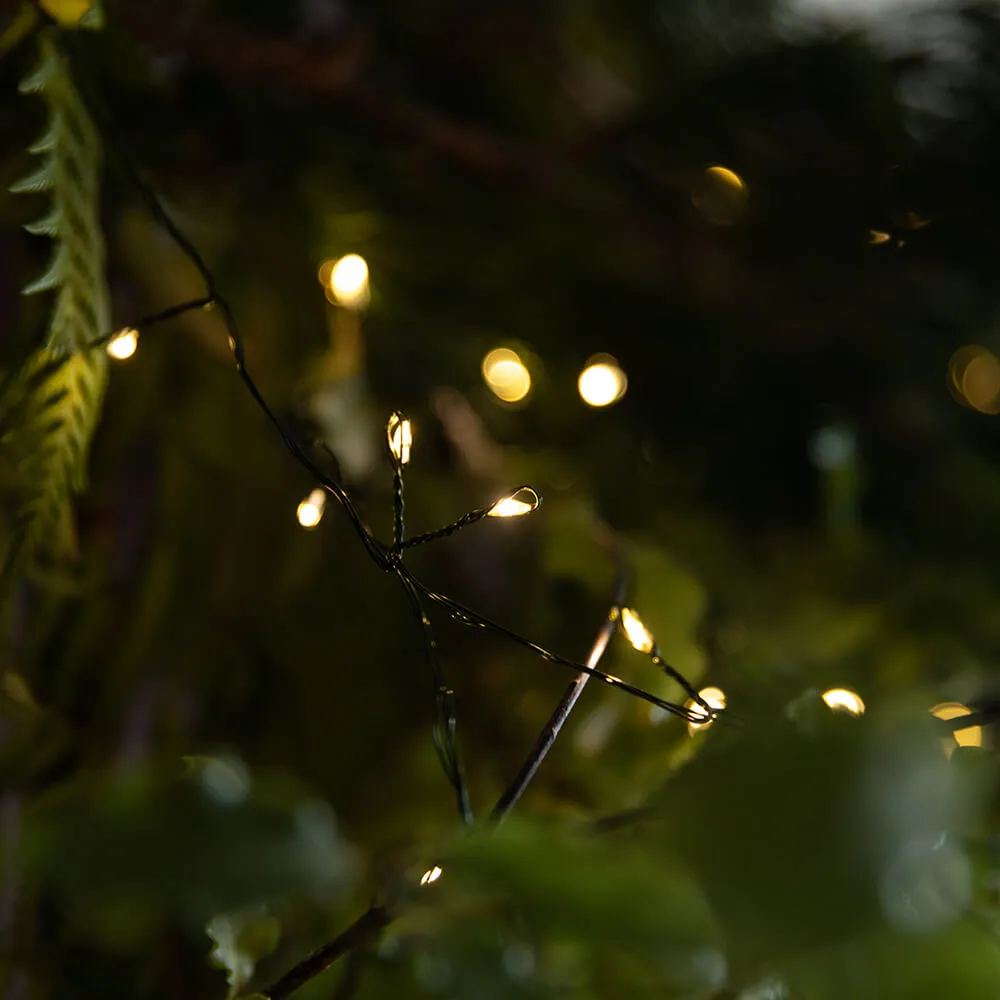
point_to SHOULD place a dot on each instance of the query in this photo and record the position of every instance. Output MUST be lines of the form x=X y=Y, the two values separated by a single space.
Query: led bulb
x=843 y=700
x=506 y=375
x=310 y=511
x=715 y=698
x=123 y=344
x=602 y=383
x=349 y=281
x=399 y=432
x=637 y=633
x=431 y=875
x=523 y=501
x=972 y=736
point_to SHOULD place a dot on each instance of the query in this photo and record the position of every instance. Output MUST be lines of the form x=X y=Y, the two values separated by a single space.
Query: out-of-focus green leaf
x=509 y=904
x=142 y=847
x=801 y=836
x=241 y=940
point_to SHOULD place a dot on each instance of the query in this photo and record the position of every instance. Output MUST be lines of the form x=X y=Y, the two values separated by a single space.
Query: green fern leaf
x=50 y=409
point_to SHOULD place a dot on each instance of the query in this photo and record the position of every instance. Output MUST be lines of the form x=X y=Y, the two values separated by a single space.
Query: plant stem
x=364 y=930
x=549 y=733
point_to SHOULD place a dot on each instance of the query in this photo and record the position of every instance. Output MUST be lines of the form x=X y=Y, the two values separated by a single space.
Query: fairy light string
x=386 y=558
x=390 y=559
x=642 y=640
x=399 y=433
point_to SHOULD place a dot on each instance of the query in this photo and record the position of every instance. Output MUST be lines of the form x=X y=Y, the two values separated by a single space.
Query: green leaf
x=127 y=853
x=52 y=418
x=538 y=908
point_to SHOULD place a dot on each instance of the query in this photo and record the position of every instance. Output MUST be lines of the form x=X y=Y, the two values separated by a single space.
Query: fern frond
x=49 y=411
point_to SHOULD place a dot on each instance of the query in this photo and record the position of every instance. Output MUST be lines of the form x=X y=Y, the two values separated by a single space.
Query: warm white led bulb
x=349 y=281
x=637 y=633
x=399 y=432
x=506 y=375
x=310 y=511
x=843 y=700
x=972 y=736
x=601 y=384
x=431 y=875
x=524 y=501
x=715 y=698
x=123 y=344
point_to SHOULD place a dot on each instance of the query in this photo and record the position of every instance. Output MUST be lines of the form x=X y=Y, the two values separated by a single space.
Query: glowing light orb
x=715 y=698
x=123 y=345
x=972 y=736
x=844 y=700
x=974 y=378
x=400 y=434
x=720 y=196
x=310 y=510
x=506 y=375
x=431 y=875
x=349 y=281
x=637 y=633
x=524 y=501
x=602 y=384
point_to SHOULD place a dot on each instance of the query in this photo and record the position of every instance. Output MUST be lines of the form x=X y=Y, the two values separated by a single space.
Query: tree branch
x=363 y=931
x=548 y=735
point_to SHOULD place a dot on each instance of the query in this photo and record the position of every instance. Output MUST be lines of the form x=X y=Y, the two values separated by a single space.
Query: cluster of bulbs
x=399 y=434
x=601 y=383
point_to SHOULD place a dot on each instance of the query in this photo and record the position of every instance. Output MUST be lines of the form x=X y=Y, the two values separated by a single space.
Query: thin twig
x=548 y=735
x=363 y=931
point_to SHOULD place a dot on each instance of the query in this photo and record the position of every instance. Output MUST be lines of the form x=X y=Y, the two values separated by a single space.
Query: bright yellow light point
x=123 y=344
x=637 y=633
x=524 y=501
x=715 y=698
x=974 y=378
x=602 y=384
x=720 y=195
x=843 y=700
x=66 y=12
x=431 y=875
x=876 y=236
x=399 y=431
x=970 y=737
x=506 y=375
x=310 y=511
x=726 y=176
x=349 y=281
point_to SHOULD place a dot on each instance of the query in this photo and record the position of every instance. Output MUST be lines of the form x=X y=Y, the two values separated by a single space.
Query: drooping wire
x=467 y=616
x=445 y=731
x=446 y=720
x=125 y=161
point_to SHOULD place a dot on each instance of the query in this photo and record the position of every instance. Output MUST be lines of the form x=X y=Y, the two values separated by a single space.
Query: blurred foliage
x=802 y=499
x=241 y=940
x=53 y=403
